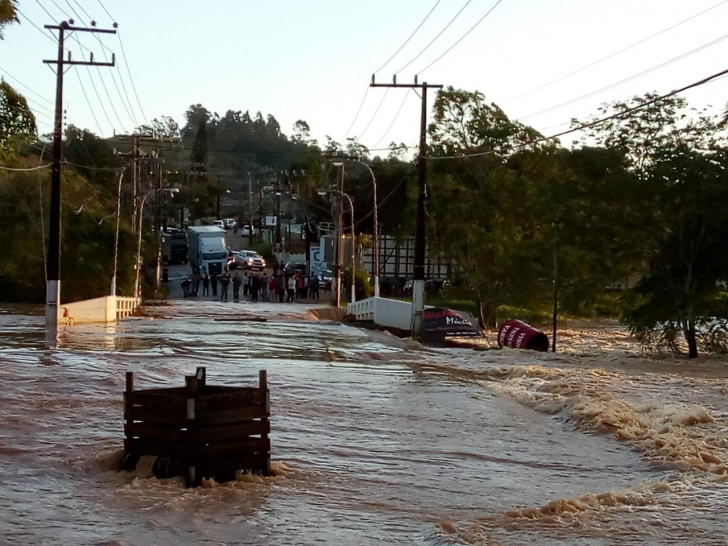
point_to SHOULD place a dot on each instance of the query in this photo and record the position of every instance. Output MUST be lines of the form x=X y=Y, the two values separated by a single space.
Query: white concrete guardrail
x=105 y=309
x=383 y=311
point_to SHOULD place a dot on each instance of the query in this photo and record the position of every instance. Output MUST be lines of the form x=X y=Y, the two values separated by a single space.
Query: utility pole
x=218 y=197
x=336 y=288
x=53 y=267
x=418 y=286
x=250 y=210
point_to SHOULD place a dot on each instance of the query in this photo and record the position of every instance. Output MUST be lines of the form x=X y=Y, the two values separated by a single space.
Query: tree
x=679 y=159
x=481 y=207
x=8 y=14
x=17 y=122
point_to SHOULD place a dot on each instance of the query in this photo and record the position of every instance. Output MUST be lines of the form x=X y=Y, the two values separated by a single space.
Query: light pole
x=339 y=160
x=337 y=250
x=140 y=215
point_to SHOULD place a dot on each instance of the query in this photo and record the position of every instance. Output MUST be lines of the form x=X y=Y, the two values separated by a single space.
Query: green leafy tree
x=8 y=14
x=678 y=156
x=17 y=122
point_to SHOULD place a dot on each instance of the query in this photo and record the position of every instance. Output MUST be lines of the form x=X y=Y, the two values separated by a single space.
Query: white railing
x=126 y=306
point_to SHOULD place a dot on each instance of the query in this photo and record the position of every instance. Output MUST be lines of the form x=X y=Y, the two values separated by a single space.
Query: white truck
x=207 y=250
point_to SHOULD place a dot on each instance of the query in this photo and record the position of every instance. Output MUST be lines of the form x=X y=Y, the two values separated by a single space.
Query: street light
x=340 y=161
x=353 y=247
x=140 y=215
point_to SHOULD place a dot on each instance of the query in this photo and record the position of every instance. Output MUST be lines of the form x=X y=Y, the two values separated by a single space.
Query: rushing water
x=372 y=442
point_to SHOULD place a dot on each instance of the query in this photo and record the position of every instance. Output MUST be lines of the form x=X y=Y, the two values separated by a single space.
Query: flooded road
x=372 y=442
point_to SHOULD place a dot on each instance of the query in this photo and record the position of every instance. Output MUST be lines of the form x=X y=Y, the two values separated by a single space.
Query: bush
x=362 y=286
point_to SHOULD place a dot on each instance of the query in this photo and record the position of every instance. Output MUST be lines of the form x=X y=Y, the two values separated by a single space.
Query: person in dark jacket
x=206 y=285
x=236 y=287
x=213 y=284
x=254 y=287
x=224 y=283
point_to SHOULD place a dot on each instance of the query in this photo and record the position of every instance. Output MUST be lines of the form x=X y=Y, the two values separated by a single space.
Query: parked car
x=245 y=230
x=246 y=259
x=325 y=279
x=295 y=267
x=219 y=223
x=229 y=223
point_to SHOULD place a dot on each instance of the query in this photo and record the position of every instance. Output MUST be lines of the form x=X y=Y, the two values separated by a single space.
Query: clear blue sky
x=313 y=60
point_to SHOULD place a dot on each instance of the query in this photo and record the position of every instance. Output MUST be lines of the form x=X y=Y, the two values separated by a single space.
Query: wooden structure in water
x=199 y=430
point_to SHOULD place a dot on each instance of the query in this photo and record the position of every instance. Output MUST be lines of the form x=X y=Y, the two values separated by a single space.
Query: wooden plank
x=228 y=433
x=156 y=400
x=164 y=390
x=160 y=416
x=223 y=433
x=190 y=453
x=226 y=416
x=230 y=400
x=178 y=417
x=220 y=389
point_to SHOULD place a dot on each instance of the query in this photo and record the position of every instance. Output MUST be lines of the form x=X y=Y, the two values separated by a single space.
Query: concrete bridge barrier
x=105 y=309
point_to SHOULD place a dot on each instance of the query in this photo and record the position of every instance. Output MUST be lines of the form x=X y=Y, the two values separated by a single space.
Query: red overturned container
x=519 y=335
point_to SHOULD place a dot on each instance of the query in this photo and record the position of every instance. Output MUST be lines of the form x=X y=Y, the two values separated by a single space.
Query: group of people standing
x=280 y=286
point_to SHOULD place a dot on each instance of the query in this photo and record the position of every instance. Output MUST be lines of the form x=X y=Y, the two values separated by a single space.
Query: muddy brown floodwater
x=374 y=441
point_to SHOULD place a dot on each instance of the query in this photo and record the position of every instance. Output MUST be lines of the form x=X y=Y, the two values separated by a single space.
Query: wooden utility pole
x=418 y=285
x=53 y=266
x=250 y=210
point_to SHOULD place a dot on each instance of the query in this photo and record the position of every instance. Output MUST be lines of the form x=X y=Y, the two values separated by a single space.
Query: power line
x=357 y=114
x=411 y=35
x=65 y=14
x=81 y=8
x=625 y=80
x=131 y=79
x=406 y=95
x=436 y=37
x=73 y=10
x=642 y=41
x=29 y=89
x=34 y=25
x=48 y=13
x=107 y=11
x=39 y=167
x=375 y=113
x=463 y=36
x=599 y=121
x=88 y=102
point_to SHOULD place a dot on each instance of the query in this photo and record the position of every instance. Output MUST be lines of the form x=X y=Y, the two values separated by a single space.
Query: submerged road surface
x=372 y=443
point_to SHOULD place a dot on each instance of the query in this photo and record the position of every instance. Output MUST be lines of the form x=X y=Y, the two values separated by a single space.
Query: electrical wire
x=34 y=25
x=131 y=79
x=88 y=102
x=28 y=88
x=361 y=105
x=65 y=13
x=581 y=127
x=375 y=112
x=81 y=8
x=630 y=78
x=98 y=97
x=411 y=36
x=463 y=36
x=642 y=41
x=73 y=10
x=394 y=120
x=436 y=37
x=38 y=168
x=104 y=8
x=48 y=13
